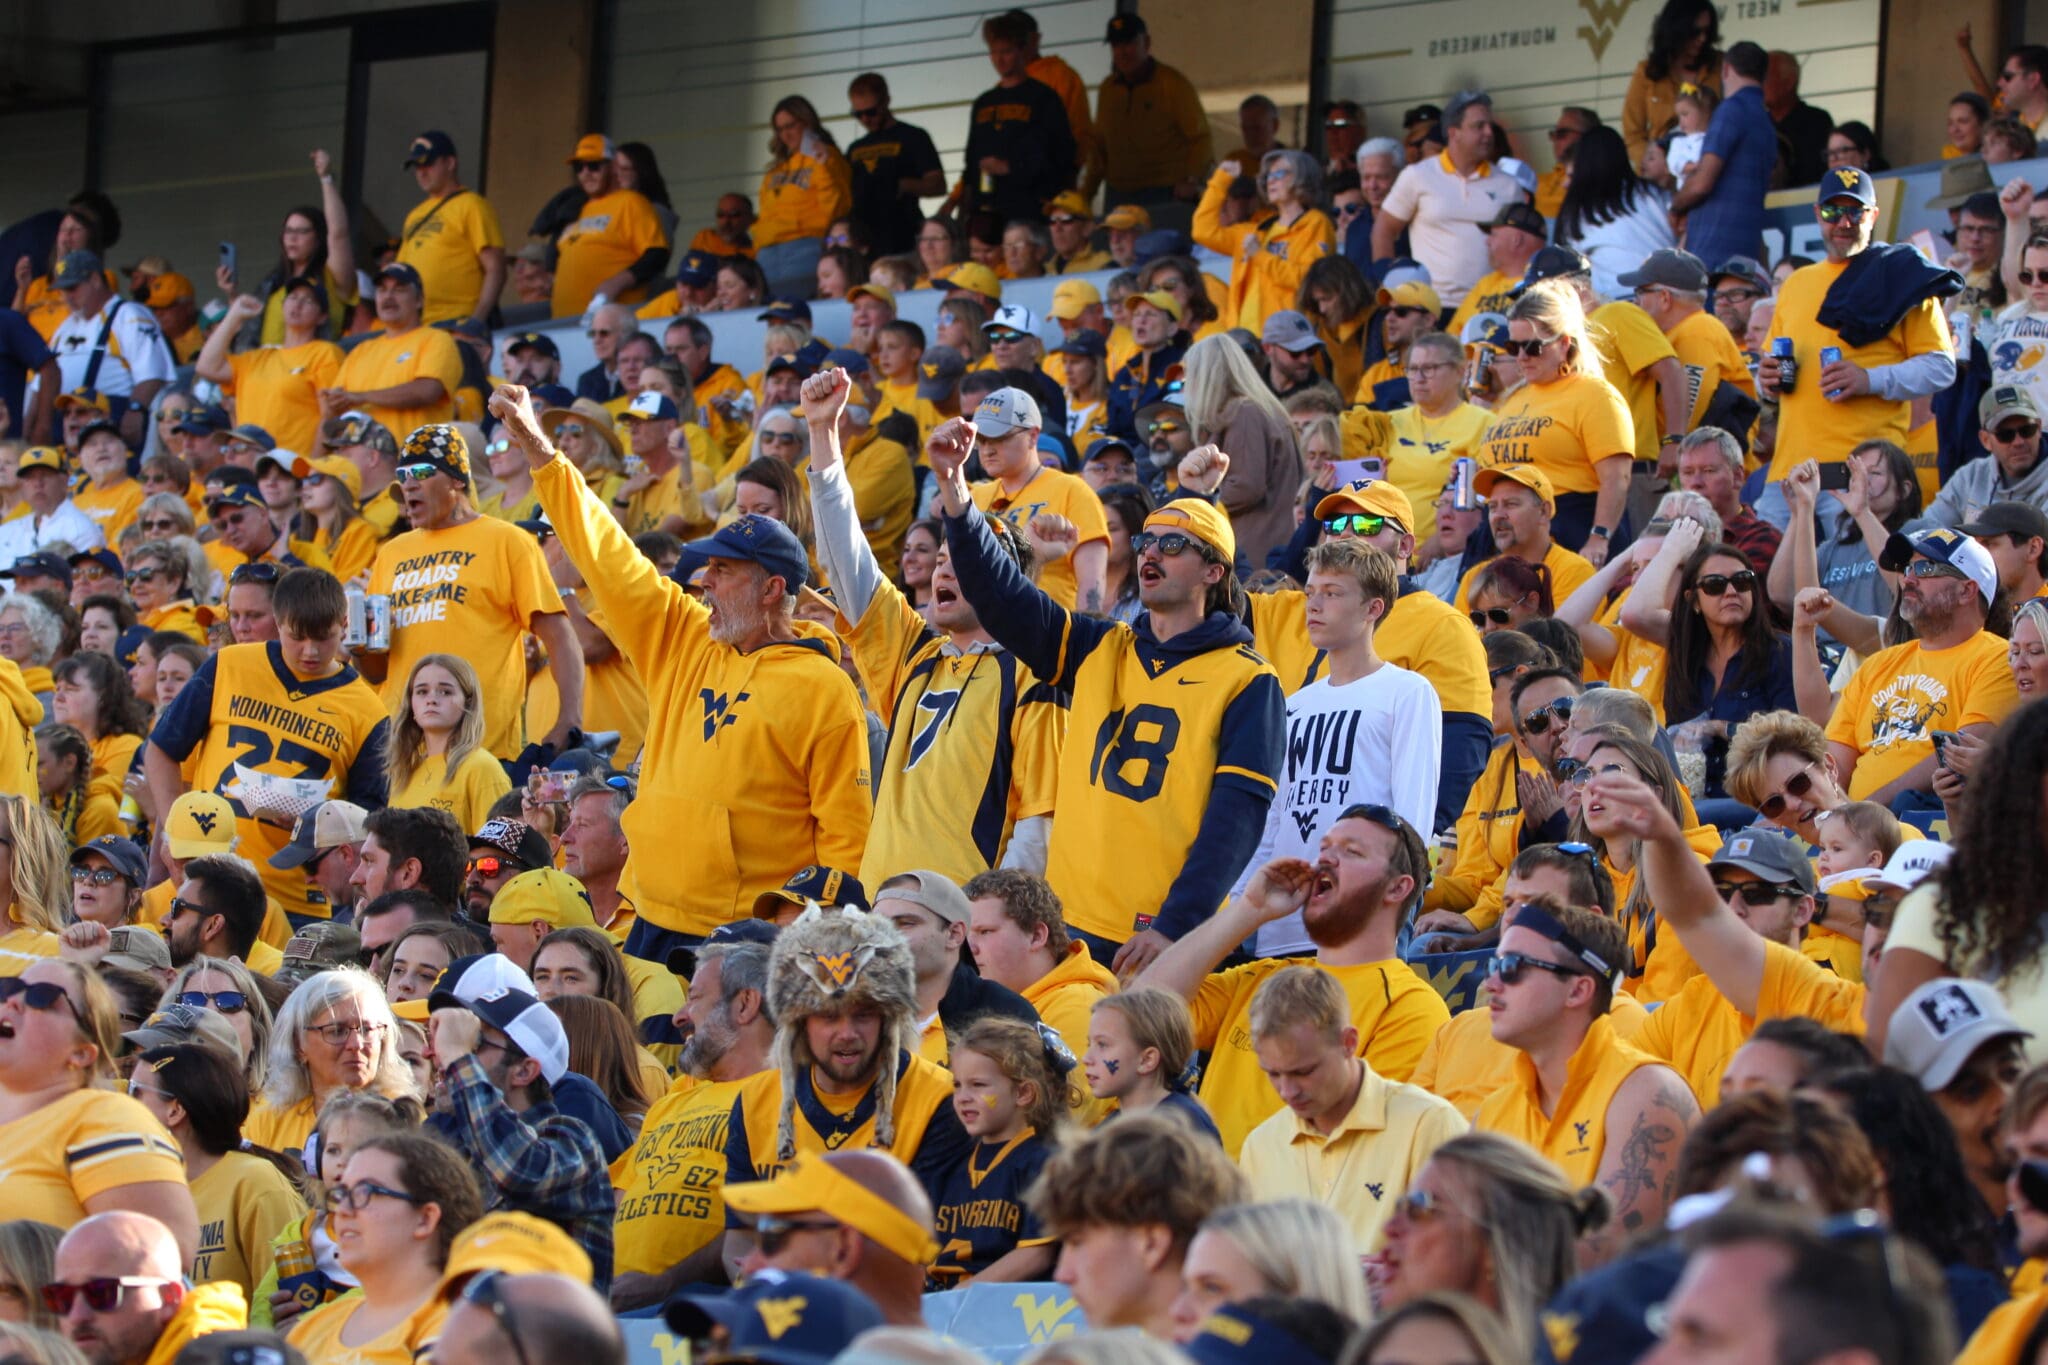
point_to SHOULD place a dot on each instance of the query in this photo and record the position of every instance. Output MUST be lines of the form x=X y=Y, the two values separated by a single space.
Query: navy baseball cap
x=75 y=269
x=1125 y=28
x=122 y=853
x=847 y=359
x=535 y=341
x=254 y=435
x=785 y=310
x=788 y=361
x=42 y=564
x=1162 y=242
x=683 y=961
x=1235 y=1334
x=1553 y=263
x=555 y=395
x=202 y=421
x=403 y=273
x=103 y=557
x=698 y=269
x=777 y=1318
x=650 y=406
x=762 y=540
x=429 y=146
x=131 y=641
x=318 y=286
x=1847 y=182
x=1086 y=342
x=1102 y=445
x=235 y=495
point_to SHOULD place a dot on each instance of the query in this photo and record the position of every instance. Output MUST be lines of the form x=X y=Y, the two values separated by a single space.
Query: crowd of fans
x=1451 y=777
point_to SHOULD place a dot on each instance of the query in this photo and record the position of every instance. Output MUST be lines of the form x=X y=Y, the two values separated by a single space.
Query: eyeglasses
x=1738 y=295
x=773 y=1234
x=1169 y=543
x=166 y=416
x=486 y=1291
x=260 y=571
x=223 y=1002
x=1355 y=524
x=1717 y=584
x=1932 y=568
x=1509 y=967
x=338 y=1034
x=1532 y=348
x=1583 y=773
x=487 y=866
x=1561 y=131
x=1537 y=721
x=1835 y=213
x=94 y=876
x=1796 y=788
x=160 y=524
x=355 y=1198
x=416 y=473
x=1754 y=894
x=1437 y=367
x=2023 y=431
x=41 y=996
x=101 y=1295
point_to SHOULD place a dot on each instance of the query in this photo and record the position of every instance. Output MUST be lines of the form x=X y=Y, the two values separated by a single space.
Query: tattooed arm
x=1646 y=1125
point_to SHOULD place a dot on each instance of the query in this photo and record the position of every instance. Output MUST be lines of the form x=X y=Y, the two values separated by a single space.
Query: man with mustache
x=1370 y=870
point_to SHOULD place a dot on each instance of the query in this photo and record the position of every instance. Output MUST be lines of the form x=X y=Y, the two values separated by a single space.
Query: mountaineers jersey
x=245 y=712
x=974 y=745
x=980 y=1215
x=1155 y=728
x=929 y=1138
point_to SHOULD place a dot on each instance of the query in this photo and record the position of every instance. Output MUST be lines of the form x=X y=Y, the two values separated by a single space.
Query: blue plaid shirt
x=1731 y=220
x=540 y=1162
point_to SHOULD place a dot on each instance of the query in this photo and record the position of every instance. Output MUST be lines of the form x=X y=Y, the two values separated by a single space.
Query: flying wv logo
x=1606 y=16
x=205 y=819
x=1583 y=1127
x=718 y=712
x=1305 y=821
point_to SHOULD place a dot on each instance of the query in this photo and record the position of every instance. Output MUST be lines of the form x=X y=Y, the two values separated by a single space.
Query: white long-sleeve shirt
x=1375 y=741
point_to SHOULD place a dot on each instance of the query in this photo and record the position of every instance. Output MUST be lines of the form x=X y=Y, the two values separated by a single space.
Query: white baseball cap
x=1910 y=863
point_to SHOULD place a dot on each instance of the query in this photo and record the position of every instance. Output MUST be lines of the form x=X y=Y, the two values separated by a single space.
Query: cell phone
x=553 y=787
x=1942 y=739
x=2034 y=1183
x=1834 y=477
x=1348 y=471
x=227 y=260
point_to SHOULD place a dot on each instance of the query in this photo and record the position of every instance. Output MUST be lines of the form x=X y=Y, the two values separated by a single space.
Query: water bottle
x=1788 y=368
x=355 y=632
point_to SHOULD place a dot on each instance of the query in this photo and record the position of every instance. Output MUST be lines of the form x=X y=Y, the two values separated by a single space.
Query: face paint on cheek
x=1112 y=1066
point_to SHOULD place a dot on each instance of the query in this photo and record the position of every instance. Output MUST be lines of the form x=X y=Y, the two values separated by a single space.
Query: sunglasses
x=1754 y=894
x=2031 y=276
x=1004 y=338
x=2023 y=431
x=95 y=876
x=221 y=1002
x=1538 y=721
x=1508 y=968
x=1164 y=428
x=1532 y=348
x=144 y=575
x=41 y=996
x=773 y=1234
x=779 y=438
x=1403 y=310
x=416 y=473
x=486 y=1291
x=101 y=1295
x=1717 y=584
x=1797 y=787
x=873 y=111
x=1499 y=616
x=355 y=1198
x=1169 y=543
x=1583 y=773
x=1354 y=524
x=1563 y=132
x=582 y=166
x=181 y=906
x=1835 y=213
x=170 y=415
x=260 y=571
x=1420 y=1206
x=487 y=866
x=1932 y=568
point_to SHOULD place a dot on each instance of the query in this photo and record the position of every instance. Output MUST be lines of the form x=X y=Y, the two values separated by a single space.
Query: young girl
x=83 y=809
x=1010 y=1091
x=1141 y=1046
x=1695 y=109
x=306 y=1270
x=327 y=518
x=2015 y=341
x=437 y=756
x=1857 y=836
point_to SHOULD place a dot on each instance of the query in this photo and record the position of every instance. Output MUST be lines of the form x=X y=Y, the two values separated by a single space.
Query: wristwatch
x=1671 y=440
x=1600 y=531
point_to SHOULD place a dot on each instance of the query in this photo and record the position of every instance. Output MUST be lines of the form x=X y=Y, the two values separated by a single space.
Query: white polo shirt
x=1442 y=210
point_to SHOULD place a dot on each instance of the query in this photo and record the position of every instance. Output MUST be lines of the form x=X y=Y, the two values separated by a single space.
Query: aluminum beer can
x=1781 y=351
x=377 y=610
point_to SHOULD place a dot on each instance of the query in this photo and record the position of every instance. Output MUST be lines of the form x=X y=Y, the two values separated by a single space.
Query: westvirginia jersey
x=974 y=745
x=980 y=1216
x=929 y=1138
x=245 y=712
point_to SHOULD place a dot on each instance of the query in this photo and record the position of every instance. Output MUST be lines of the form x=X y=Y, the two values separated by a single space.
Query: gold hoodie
x=20 y=714
x=213 y=1307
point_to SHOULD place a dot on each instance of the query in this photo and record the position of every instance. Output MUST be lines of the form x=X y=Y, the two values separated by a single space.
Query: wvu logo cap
x=200 y=823
x=1847 y=182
